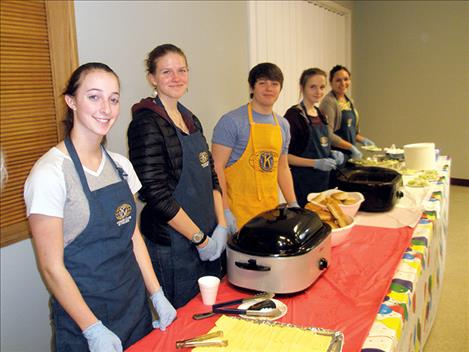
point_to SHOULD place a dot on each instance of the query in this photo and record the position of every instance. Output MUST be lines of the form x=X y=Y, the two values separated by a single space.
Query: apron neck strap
x=251 y=118
x=305 y=111
x=79 y=167
x=76 y=162
x=122 y=174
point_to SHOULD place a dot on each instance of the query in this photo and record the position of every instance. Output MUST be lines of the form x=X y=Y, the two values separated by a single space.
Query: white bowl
x=350 y=210
x=396 y=154
x=338 y=236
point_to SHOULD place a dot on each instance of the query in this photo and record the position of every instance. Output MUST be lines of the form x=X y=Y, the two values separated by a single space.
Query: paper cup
x=209 y=288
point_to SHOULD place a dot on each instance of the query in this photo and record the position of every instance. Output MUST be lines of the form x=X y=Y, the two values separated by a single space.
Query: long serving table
x=406 y=315
x=381 y=289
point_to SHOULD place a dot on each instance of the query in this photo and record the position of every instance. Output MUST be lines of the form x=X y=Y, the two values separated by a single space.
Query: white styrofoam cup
x=209 y=288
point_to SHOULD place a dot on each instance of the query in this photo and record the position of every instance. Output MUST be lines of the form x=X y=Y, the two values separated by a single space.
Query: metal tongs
x=201 y=341
x=219 y=307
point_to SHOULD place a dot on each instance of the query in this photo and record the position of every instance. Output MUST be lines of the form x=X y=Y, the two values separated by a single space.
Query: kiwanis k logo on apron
x=203 y=158
x=324 y=141
x=123 y=214
x=263 y=161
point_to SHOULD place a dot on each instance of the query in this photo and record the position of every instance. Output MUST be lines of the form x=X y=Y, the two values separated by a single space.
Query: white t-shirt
x=53 y=188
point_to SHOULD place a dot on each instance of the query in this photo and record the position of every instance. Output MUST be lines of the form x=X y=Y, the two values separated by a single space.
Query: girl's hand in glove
x=230 y=221
x=326 y=164
x=164 y=309
x=207 y=252
x=220 y=235
x=367 y=142
x=338 y=156
x=356 y=154
x=101 y=339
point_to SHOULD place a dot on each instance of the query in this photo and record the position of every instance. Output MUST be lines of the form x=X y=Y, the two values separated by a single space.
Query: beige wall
x=411 y=74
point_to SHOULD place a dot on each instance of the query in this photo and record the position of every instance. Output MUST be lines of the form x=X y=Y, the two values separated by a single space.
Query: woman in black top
x=310 y=155
x=183 y=220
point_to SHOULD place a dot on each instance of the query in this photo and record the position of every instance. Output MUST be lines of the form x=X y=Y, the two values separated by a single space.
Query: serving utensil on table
x=254 y=310
x=201 y=341
x=267 y=303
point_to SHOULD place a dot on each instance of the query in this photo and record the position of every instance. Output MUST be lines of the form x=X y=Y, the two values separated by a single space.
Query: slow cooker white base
x=287 y=274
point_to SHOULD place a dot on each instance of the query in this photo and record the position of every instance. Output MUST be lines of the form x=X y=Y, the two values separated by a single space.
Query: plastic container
x=420 y=156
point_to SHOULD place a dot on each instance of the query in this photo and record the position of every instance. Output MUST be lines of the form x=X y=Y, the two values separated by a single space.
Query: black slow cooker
x=379 y=186
x=283 y=250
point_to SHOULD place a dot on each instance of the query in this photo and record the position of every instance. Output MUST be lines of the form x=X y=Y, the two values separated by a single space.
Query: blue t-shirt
x=232 y=130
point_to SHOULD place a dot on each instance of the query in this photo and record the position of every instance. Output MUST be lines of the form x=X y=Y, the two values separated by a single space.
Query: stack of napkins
x=243 y=335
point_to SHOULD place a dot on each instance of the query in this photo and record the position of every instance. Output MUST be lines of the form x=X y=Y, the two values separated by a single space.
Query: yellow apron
x=251 y=182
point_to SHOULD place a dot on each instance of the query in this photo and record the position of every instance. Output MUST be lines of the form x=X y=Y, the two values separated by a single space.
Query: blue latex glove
x=230 y=221
x=326 y=164
x=208 y=251
x=220 y=235
x=338 y=156
x=293 y=205
x=101 y=339
x=164 y=309
x=356 y=154
x=367 y=141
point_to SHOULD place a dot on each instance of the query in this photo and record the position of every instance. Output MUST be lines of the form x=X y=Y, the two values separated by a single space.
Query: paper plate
x=280 y=305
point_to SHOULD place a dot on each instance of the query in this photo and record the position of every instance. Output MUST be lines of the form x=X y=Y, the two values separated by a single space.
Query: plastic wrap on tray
x=244 y=335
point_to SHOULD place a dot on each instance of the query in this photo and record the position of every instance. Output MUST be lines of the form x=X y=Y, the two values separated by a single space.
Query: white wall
x=213 y=35
x=24 y=302
x=121 y=33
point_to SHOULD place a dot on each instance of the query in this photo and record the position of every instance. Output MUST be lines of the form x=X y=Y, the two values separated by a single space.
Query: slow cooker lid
x=370 y=175
x=378 y=185
x=280 y=231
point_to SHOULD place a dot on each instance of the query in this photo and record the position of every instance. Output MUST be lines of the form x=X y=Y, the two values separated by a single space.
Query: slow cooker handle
x=252 y=265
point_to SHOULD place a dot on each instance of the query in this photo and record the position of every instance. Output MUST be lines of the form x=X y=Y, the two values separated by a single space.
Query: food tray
x=337 y=340
x=386 y=163
x=336 y=344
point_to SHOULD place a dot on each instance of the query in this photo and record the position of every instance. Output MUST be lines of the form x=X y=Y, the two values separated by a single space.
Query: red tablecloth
x=347 y=296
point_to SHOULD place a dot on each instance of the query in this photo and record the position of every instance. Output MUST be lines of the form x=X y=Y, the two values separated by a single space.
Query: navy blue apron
x=103 y=265
x=348 y=129
x=307 y=179
x=178 y=266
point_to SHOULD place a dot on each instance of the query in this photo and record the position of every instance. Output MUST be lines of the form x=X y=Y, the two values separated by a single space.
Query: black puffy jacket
x=156 y=155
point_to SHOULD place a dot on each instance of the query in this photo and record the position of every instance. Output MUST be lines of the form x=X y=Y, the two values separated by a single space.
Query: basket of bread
x=330 y=211
x=349 y=202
